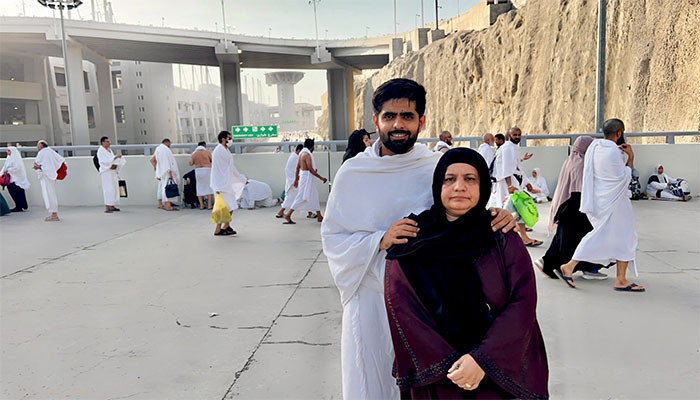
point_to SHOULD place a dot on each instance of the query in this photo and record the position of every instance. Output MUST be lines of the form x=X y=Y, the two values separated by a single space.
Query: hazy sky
x=280 y=18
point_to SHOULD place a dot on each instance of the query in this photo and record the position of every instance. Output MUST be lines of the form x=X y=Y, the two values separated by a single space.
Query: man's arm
x=153 y=161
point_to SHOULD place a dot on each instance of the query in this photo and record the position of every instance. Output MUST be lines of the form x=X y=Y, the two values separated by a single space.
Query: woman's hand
x=502 y=219
x=403 y=228
x=466 y=373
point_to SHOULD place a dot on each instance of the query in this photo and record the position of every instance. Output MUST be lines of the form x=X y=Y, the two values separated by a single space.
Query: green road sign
x=253 y=131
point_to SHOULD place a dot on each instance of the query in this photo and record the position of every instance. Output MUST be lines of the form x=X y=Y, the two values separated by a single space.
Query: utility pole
x=422 y=14
x=318 y=46
x=223 y=17
x=395 y=18
x=437 y=20
x=600 y=70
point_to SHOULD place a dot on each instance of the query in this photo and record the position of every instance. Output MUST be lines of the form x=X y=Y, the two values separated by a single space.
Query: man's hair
x=486 y=136
x=309 y=143
x=611 y=126
x=499 y=136
x=513 y=129
x=202 y=143
x=223 y=135
x=166 y=140
x=43 y=143
x=399 y=89
x=103 y=139
x=299 y=147
x=444 y=133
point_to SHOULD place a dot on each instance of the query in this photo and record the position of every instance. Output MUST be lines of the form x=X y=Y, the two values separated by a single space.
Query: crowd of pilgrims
x=426 y=246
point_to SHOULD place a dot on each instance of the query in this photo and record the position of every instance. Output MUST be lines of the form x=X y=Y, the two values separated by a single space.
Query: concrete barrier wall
x=82 y=187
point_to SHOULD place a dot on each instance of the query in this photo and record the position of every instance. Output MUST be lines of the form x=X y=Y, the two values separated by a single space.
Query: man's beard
x=514 y=140
x=621 y=140
x=399 y=146
x=449 y=142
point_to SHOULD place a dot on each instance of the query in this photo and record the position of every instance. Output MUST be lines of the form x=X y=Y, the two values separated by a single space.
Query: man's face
x=621 y=137
x=367 y=141
x=448 y=139
x=499 y=142
x=398 y=125
x=489 y=140
x=661 y=170
x=515 y=136
x=167 y=144
x=106 y=143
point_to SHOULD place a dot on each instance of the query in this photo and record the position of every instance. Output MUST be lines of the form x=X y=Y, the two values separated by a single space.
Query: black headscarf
x=466 y=237
x=440 y=262
x=356 y=144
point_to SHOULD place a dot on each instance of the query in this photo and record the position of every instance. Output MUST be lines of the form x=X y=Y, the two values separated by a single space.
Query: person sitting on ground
x=659 y=186
x=256 y=194
x=461 y=299
x=358 y=141
x=540 y=190
x=445 y=142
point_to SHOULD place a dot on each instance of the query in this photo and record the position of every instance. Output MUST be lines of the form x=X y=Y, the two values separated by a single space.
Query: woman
x=461 y=299
x=571 y=225
x=358 y=141
x=540 y=192
x=659 y=186
x=18 y=178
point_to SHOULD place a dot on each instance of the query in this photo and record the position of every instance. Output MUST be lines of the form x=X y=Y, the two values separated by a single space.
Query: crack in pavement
x=253 y=327
x=248 y=362
x=83 y=248
x=303 y=315
x=270 y=285
x=299 y=342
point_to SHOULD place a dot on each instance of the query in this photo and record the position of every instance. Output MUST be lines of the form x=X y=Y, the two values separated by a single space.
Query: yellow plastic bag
x=220 y=214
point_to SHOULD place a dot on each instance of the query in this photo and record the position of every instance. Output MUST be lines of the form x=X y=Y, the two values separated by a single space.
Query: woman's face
x=661 y=169
x=534 y=173
x=460 y=189
x=367 y=140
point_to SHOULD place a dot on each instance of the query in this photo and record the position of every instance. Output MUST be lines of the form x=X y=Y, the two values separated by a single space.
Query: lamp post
x=318 y=46
x=600 y=69
x=223 y=17
x=60 y=5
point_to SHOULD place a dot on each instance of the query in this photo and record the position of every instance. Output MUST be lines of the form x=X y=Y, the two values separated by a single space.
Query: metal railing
x=332 y=145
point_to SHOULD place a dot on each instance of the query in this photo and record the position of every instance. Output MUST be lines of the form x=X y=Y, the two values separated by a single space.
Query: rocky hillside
x=535 y=67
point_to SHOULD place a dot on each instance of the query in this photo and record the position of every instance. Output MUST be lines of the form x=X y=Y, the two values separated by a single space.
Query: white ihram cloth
x=15 y=166
x=369 y=194
x=109 y=176
x=225 y=178
x=540 y=184
x=441 y=145
x=507 y=164
x=203 y=175
x=165 y=162
x=307 y=195
x=256 y=194
x=605 y=199
x=487 y=152
x=290 y=174
x=50 y=162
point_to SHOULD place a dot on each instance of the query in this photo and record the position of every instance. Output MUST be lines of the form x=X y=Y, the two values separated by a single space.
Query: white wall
x=82 y=186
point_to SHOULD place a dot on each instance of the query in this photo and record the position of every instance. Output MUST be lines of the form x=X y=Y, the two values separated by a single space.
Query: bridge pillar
x=341 y=103
x=230 y=72
x=108 y=122
x=78 y=105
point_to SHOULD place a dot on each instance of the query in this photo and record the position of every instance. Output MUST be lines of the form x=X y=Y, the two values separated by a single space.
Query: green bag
x=526 y=207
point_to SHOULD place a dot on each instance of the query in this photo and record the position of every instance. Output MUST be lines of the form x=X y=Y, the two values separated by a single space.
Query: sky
x=337 y=19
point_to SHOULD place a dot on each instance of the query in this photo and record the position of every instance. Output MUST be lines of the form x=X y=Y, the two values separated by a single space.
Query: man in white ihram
x=605 y=199
x=307 y=195
x=109 y=168
x=291 y=171
x=225 y=180
x=47 y=163
x=163 y=161
x=486 y=150
x=372 y=194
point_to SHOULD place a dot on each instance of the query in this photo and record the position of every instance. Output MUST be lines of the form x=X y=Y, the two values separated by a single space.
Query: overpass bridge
x=100 y=42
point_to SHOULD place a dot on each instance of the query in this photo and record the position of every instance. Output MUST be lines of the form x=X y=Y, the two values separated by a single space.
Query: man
x=510 y=178
x=163 y=162
x=46 y=164
x=226 y=180
x=201 y=159
x=109 y=167
x=499 y=139
x=607 y=171
x=307 y=196
x=372 y=192
x=486 y=150
x=445 y=142
x=291 y=170
x=256 y=194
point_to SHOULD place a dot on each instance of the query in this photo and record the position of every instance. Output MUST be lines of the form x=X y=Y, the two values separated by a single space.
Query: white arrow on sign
x=245 y=129
x=238 y=130
x=262 y=128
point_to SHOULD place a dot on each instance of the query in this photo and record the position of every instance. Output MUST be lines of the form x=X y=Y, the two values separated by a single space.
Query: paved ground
x=116 y=306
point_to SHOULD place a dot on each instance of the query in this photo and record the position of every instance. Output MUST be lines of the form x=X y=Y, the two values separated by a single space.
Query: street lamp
x=318 y=46
x=60 y=5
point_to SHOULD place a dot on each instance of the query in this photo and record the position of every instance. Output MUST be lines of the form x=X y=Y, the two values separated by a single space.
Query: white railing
x=331 y=145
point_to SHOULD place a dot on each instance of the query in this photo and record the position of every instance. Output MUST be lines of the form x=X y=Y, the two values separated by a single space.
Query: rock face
x=536 y=68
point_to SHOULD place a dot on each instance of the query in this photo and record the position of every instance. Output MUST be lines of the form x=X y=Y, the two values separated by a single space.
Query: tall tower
x=285 y=82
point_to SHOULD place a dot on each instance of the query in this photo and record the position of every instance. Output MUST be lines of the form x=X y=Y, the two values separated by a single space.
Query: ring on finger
x=467 y=386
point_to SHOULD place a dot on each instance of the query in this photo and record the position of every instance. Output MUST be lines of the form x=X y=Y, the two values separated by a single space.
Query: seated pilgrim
x=662 y=187
x=257 y=194
x=540 y=190
x=461 y=299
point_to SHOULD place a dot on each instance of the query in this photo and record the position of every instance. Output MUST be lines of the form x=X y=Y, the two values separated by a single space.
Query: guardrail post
x=671 y=139
x=237 y=149
x=334 y=147
x=523 y=141
x=146 y=151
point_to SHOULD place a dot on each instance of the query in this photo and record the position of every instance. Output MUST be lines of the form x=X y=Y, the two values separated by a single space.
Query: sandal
x=534 y=243
x=290 y=222
x=630 y=288
x=51 y=219
x=567 y=279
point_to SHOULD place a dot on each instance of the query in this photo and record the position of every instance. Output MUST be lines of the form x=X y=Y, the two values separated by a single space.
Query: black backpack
x=96 y=161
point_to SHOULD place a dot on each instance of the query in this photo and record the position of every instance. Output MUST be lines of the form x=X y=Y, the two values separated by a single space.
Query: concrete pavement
x=122 y=306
